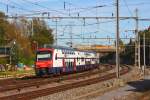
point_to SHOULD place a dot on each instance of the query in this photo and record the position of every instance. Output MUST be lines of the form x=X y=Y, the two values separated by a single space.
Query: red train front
x=44 y=61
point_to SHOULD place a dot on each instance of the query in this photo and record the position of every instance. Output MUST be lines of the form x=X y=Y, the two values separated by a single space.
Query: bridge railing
x=4 y=50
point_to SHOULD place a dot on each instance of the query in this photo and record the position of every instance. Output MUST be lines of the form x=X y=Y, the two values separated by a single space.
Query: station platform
x=127 y=91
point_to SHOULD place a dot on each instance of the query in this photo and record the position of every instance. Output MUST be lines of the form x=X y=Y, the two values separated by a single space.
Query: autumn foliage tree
x=24 y=33
x=3 y=28
x=41 y=33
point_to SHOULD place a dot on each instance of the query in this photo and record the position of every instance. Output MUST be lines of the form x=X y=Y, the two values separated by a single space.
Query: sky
x=80 y=28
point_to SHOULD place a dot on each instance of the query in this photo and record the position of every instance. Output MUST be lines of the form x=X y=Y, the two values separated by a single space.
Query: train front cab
x=43 y=61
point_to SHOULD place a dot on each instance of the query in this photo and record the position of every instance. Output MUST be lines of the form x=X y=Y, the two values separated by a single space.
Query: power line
x=36 y=4
x=142 y=3
x=63 y=17
x=87 y=24
x=19 y=8
x=81 y=8
x=128 y=7
x=97 y=38
x=88 y=8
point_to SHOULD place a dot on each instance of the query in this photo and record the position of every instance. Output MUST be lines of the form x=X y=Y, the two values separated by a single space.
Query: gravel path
x=109 y=90
x=123 y=93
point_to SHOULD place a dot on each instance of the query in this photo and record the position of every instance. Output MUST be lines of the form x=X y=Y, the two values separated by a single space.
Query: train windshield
x=44 y=55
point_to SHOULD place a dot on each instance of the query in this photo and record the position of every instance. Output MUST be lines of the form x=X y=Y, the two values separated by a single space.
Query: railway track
x=19 y=84
x=50 y=89
x=145 y=96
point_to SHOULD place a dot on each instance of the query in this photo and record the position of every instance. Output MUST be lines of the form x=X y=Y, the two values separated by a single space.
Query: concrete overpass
x=4 y=51
x=97 y=48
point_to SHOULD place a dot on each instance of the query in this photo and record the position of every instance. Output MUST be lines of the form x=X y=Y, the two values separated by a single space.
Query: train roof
x=67 y=48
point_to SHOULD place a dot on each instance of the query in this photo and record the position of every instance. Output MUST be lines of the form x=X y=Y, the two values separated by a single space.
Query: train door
x=74 y=64
x=64 y=65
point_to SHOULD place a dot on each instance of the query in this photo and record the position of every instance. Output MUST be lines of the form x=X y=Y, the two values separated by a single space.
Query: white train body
x=64 y=60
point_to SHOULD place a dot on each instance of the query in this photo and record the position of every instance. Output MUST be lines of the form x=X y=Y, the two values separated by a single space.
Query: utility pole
x=139 y=51
x=71 y=43
x=56 y=20
x=32 y=27
x=144 y=65
x=56 y=32
x=117 y=39
x=149 y=53
x=138 y=41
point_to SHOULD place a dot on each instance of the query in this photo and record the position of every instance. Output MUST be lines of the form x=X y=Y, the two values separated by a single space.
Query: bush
x=27 y=61
x=4 y=61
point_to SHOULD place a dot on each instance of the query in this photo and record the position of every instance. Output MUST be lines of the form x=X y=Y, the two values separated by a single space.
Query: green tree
x=41 y=33
x=120 y=42
x=128 y=54
x=147 y=45
x=3 y=28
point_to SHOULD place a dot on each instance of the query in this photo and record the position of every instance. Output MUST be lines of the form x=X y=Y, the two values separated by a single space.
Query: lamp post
x=11 y=49
x=35 y=45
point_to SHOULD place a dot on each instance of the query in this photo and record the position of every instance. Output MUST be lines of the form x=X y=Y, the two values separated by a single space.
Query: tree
x=3 y=28
x=128 y=55
x=41 y=33
x=147 y=45
x=20 y=31
x=120 y=42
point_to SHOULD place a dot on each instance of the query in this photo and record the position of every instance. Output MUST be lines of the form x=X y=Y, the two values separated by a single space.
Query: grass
x=14 y=74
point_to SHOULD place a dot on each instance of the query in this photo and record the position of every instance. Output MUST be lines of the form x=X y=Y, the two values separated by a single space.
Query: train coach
x=57 y=60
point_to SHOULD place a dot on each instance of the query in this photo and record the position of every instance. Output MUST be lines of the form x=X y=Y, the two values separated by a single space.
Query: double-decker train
x=57 y=60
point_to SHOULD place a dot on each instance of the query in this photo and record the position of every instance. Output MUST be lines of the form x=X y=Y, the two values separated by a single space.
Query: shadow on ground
x=140 y=86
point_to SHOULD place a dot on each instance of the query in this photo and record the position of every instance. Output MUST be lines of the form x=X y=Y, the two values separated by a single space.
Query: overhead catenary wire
x=19 y=8
x=128 y=7
x=86 y=24
x=44 y=7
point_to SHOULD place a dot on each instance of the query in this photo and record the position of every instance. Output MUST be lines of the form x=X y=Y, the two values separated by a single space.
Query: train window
x=82 y=59
x=66 y=52
x=69 y=64
x=77 y=59
x=66 y=64
x=44 y=55
x=56 y=56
